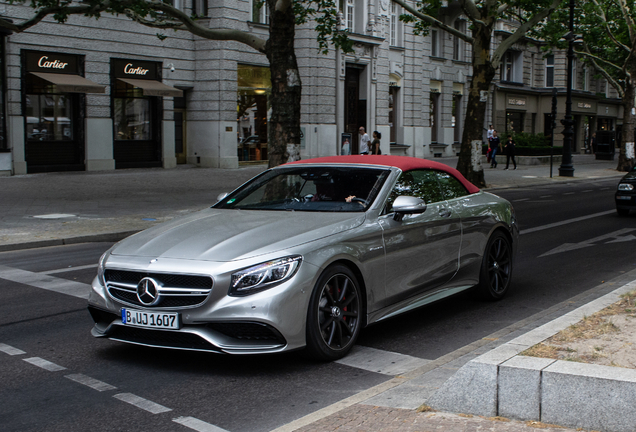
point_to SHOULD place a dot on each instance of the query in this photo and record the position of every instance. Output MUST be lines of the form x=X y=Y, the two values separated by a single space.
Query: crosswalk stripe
x=44 y=364
x=91 y=382
x=8 y=349
x=43 y=281
x=383 y=362
x=142 y=403
x=197 y=425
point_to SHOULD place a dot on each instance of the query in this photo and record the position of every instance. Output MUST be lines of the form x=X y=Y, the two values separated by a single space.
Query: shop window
x=132 y=113
x=177 y=4
x=549 y=71
x=49 y=117
x=573 y=87
x=514 y=121
x=260 y=12
x=253 y=112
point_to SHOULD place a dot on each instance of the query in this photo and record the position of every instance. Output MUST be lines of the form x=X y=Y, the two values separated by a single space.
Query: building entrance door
x=180 y=134
x=355 y=111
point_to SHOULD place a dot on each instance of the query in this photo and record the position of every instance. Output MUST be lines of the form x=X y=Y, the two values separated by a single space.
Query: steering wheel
x=359 y=201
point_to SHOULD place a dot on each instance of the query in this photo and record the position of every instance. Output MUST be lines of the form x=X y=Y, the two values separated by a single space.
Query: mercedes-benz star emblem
x=148 y=291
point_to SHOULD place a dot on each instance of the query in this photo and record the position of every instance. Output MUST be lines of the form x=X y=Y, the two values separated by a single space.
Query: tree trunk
x=469 y=163
x=284 y=123
x=626 y=153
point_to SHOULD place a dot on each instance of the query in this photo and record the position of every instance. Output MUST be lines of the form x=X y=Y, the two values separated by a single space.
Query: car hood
x=226 y=235
x=630 y=177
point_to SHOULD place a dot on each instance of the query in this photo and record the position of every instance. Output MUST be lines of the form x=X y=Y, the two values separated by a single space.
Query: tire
x=334 y=317
x=496 y=268
x=622 y=212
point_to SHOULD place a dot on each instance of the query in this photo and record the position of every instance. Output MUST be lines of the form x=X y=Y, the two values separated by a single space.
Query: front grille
x=249 y=331
x=175 y=290
x=161 y=338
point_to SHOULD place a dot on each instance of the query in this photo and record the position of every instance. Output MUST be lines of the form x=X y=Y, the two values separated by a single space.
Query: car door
x=422 y=250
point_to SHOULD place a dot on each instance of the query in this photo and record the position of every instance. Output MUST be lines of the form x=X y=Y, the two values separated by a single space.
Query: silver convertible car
x=305 y=255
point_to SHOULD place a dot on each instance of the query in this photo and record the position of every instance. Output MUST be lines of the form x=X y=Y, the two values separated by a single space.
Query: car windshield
x=309 y=188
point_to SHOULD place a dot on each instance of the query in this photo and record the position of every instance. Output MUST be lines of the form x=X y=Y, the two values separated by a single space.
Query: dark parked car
x=625 y=196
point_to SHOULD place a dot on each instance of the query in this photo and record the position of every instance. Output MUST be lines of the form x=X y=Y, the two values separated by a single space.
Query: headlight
x=263 y=276
x=625 y=187
x=100 y=267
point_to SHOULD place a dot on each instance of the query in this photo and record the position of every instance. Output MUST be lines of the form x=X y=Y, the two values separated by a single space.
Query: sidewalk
x=63 y=208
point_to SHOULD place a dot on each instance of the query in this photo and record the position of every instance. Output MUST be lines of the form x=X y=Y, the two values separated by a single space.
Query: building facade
x=108 y=94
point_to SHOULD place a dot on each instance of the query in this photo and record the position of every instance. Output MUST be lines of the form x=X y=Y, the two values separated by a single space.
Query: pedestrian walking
x=494 y=148
x=489 y=133
x=375 y=144
x=510 y=152
x=364 y=142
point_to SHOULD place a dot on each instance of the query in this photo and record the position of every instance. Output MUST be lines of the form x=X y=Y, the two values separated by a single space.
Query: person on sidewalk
x=489 y=133
x=375 y=144
x=494 y=147
x=364 y=142
x=510 y=152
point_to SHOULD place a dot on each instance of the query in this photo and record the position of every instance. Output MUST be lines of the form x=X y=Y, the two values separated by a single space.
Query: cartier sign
x=516 y=101
x=44 y=62
x=51 y=62
x=135 y=69
x=132 y=70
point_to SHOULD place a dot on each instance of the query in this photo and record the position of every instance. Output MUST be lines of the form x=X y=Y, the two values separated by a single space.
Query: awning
x=68 y=83
x=153 y=88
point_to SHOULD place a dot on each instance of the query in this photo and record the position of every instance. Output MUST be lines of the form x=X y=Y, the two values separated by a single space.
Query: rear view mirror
x=407 y=205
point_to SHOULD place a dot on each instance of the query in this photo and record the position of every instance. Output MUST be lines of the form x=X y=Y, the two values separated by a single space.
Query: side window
x=417 y=183
x=451 y=187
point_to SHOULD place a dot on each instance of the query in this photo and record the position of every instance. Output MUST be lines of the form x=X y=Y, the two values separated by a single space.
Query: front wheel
x=622 y=212
x=334 y=315
x=496 y=267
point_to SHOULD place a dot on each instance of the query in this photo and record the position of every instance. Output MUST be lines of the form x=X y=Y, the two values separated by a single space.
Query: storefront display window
x=49 y=117
x=253 y=112
x=514 y=121
x=132 y=115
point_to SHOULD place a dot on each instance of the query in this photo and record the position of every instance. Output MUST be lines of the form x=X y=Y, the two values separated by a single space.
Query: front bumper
x=270 y=321
x=625 y=200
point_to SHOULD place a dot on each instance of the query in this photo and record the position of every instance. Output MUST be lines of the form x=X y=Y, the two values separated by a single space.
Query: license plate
x=622 y=197
x=157 y=320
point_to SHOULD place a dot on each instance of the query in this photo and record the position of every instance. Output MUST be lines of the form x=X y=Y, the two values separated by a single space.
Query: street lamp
x=566 y=169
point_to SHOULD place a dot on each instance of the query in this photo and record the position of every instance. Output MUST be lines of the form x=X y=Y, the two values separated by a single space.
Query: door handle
x=445 y=213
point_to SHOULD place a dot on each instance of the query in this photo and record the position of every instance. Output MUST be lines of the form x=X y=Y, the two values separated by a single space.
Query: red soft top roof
x=405 y=163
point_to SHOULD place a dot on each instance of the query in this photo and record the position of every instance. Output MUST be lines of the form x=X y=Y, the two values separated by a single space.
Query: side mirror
x=407 y=205
x=221 y=196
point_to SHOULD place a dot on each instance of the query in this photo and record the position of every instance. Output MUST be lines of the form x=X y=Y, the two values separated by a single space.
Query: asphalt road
x=590 y=244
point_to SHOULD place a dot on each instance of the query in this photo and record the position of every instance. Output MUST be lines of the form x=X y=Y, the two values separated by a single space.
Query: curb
x=571 y=394
x=91 y=238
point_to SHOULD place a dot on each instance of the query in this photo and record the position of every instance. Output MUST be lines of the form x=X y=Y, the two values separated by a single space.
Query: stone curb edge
x=91 y=238
x=559 y=392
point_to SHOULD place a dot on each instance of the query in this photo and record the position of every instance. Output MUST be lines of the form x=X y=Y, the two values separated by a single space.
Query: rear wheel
x=496 y=267
x=334 y=315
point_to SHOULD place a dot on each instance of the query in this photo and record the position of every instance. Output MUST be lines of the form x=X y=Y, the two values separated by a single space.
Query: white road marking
x=565 y=222
x=379 y=361
x=8 y=349
x=566 y=247
x=37 y=280
x=197 y=425
x=44 y=364
x=144 y=404
x=68 y=269
x=586 y=191
x=55 y=216
x=521 y=199
x=569 y=193
x=91 y=382
x=545 y=196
